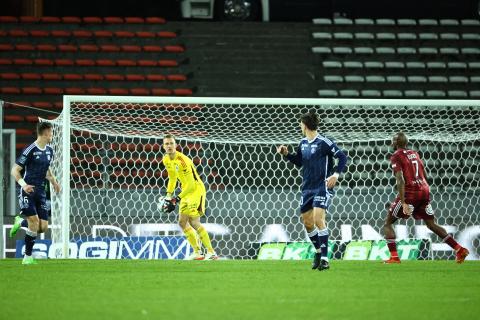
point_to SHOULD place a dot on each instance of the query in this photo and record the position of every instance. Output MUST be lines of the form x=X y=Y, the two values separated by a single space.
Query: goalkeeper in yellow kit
x=191 y=199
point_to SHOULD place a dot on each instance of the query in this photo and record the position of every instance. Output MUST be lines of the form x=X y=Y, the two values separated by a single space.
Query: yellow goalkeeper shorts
x=193 y=205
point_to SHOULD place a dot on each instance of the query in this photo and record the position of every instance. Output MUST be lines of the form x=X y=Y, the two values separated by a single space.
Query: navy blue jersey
x=35 y=163
x=316 y=159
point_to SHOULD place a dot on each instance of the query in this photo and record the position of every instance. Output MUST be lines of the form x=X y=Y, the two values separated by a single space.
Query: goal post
x=108 y=159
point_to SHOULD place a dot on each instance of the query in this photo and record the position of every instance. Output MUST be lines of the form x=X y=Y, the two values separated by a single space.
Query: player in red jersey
x=413 y=198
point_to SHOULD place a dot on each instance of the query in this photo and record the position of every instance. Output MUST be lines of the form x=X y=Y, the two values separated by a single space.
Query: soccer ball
x=161 y=204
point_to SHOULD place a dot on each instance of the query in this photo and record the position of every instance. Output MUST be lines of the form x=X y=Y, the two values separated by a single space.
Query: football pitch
x=160 y=289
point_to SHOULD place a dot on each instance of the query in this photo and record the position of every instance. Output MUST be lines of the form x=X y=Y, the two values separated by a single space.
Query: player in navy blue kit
x=30 y=171
x=315 y=155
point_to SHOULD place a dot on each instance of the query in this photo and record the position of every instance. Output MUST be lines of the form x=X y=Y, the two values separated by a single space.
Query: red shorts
x=421 y=207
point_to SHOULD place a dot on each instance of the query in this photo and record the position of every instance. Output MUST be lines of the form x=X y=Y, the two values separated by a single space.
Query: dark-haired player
x=30 y=171
x=315 y=155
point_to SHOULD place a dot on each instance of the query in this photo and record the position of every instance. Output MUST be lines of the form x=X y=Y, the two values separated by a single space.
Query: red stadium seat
x=14 y=118
x=8 y=19
x=135 y=77
x=147 y=63
x=3 y=33
x=24 y=47
x=93 y=77
x=113 y=20
x=114 y=77
x=161 y=92
x=46 y=47
x=53 y=90
x=33 y=119
x=60 y=33
x=126 y=63
x=109 y=48
x=84 y=62
x=9 y=76
x=118 y=91
x=167 y=63
x=67 y=48
x=58 y=105
x=182 y=92
x=103 y=33
x=6 y=47
x=134 y=20
x=31 y=90
x=39 y=33
x=71 y=20
x=152 y=48
x=10 y=90
x=155 y=20
x=31 y=76
x=176 y=77
x=139 y=91
x=166 y=34
x=42 y=104
x=25 y=62
x=51 y=76
x=124 y=34
x=72 y=77
x=45 y=19
x=44 y=62
x=176 y=49
x=155 y=77
x=145 y=34
x=88 y=48
x=18 y=33
x=24 y=132
x=82 y=33
x=74 y=91
x=92 y=20
x=64 y=62
x=5 y=62
x=96 y=91
x=105 y=63
x=29 y=19
x=131 y=48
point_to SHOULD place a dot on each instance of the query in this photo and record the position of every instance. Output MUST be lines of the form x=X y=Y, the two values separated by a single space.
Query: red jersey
x=409 y=162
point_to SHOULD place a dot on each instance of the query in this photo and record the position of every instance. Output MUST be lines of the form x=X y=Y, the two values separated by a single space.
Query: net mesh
x=253 y=195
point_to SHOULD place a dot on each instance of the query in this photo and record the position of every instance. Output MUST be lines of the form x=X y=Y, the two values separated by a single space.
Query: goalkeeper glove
x=168 y=204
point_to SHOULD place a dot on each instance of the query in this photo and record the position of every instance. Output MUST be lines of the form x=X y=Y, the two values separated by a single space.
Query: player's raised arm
x=295 y=158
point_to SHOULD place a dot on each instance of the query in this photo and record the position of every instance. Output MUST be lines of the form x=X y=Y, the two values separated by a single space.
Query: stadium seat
x=406 y=36
x=415 y=65
x=375 y=78
x=342 y=50
x=436 y=65
x=163 y=92
x=473 y=51
x=449 y=36
x=53 y=90
x=31 y=90
x=438 y=79
x=449 y=22
x=406 y=22
x=113 y=20
x=131 y=48
x=84 y=62
x=39 y=33
x=456 y=65
x=139 y=91
x=96 y=91
x=167 y=63
x=135 y=77
x=471 y=36
x=67 y=48
x=93 y=77
x=51 y=76
x=114 y=77
x=385 y=50
x=174 y=48
x=126 y=63
x=354 y=78
x=8 y=19
x=417 y=79
x=406 y=50
x=327 y=93
x=182 y=92
x=385 y=22
x=124 y=34
x=321 y=50
x=413 y=93
x=322 y=21
x=396 y=79
x=457 y=94
x=9 y=76
x=474 y=94
x=89 y=48
x=332 y=78
x=24 y=47
x=342 y=21
x=363 y=50
x=24 y=62
x=364 y=22
x=71 y=20
x=75 y=91
x=458 y=79
x=103 y=33
x=349 y=93
x=428 y=36
x=166 y=34
x=385 y=36
x=46 y=19
x=134 y=20
x=72 y=77
x=435 y=93
x=46 y=47
x=64 y=62
x=470 y=22
x=31 y=76
x=156 y=77
x=118 y=91
x=427 y=22
x=6 y=47
x=105 y=63
x=60 y=33
x=331 y=64
x=145 y=34
x=181 y=77
x=82 y=33
x=155 y=20
x=352 y=64
x=475 y=79
x=449 y=50
x=364 y=36
x=109 y=48
x=10 y=90
x=392 y=93
x=152 y=48
x=92 y=20
x=18 y=33
x=370 y=93
x=322 y=35
x=428 y=50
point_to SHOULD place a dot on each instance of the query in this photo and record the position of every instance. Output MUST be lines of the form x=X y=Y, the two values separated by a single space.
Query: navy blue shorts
x=320 y=198
x=34 y=204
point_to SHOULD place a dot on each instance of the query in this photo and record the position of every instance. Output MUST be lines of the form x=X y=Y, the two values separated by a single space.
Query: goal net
x=108 y=158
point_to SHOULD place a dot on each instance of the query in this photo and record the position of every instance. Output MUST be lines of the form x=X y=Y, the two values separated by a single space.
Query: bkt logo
x=167 y=247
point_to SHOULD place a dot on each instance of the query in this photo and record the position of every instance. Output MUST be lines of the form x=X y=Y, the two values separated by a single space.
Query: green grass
x=142 y=289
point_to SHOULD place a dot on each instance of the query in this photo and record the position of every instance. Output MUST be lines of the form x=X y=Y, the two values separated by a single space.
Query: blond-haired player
x=191 y=198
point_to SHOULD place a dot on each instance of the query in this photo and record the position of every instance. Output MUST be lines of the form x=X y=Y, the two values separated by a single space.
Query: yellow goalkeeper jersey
x=183 y=169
